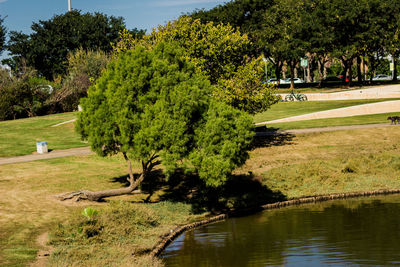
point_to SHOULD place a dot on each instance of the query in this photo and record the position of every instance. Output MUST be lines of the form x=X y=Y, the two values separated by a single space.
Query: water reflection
x=362 y=231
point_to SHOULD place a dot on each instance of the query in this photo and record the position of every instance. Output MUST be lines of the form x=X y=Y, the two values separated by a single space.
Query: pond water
x=363 y=231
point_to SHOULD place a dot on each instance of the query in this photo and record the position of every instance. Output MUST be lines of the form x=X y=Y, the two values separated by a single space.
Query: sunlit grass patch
x=345 y=121
x=288 y=109
x=19 y=137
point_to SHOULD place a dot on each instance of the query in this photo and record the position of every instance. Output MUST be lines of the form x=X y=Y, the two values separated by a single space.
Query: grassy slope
x=353 y=120
x=330 y=162
x=288 y=109
x=19 y=137
x=343 y=161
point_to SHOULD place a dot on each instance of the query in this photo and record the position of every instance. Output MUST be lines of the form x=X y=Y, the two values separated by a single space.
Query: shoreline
x=163 y=244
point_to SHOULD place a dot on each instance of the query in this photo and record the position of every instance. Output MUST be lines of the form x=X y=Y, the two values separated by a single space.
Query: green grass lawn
x=288 y=109
x=353 y=120
x=19 y=137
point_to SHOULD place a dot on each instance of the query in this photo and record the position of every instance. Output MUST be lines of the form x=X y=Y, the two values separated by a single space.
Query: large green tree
x=216 y=49
x=219 y=52
x=387 y=24
x=47 y=47
x=245 y=15
x=284 y=32
x=152 y=106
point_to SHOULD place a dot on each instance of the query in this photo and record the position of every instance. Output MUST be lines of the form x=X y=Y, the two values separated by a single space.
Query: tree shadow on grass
x=153 y=182
x=240 y=194
x=268 y=137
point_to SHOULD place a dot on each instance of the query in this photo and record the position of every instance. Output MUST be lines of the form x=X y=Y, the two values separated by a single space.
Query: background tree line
x=72 y=50
x=287 y=30
x=62 y=57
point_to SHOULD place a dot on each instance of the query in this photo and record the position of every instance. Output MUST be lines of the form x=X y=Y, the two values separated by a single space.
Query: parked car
x=272 y=80
x=382 y=77
x=288 y=81
x=331 y=79
x=347 y=78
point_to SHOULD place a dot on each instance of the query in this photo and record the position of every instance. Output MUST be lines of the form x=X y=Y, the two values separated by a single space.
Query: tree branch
x=131 y=178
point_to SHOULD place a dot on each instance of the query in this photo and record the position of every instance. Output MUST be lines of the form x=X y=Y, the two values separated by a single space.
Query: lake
x=360 y=231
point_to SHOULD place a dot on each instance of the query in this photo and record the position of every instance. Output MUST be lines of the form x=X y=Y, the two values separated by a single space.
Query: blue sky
x=141 y=14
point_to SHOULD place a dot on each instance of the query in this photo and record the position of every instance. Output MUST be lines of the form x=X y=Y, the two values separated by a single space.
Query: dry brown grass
x=296 y=167
x=29 y=208
x=27 y=203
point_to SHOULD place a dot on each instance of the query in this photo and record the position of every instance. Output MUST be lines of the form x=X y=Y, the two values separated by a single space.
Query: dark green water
x=353 y=232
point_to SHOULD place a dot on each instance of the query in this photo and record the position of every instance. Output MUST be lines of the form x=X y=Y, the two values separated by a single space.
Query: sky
x=141 y=14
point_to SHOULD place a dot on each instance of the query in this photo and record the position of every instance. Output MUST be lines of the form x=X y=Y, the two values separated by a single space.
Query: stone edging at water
x=179 y=230
x=313 y=199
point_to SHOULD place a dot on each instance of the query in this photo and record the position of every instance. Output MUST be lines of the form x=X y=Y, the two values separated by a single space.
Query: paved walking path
x=51 y=155
x=387 y=91
x=366 y=109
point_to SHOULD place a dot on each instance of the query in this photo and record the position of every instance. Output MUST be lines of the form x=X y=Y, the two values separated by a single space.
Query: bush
x=84 y=68
x=23 y=96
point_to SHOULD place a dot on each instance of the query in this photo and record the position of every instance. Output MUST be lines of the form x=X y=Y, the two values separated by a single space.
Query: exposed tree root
x=94 y=196
x=133 y=184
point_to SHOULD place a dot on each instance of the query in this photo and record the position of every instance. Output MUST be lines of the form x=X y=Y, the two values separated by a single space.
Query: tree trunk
x=292 y=68
x=350 y=64
x=278 y=69
x=359 y=75
x=364 y=74
x=133 y=184
x=395 y=57
x=321 y=70
x=345 y=68
x=371 y=67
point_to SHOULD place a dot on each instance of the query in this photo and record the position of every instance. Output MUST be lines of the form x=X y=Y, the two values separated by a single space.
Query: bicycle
x=295 y=96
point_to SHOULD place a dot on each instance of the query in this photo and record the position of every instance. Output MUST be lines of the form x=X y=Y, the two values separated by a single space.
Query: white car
x=272 y=80
x=382 y=77
x=288 y=81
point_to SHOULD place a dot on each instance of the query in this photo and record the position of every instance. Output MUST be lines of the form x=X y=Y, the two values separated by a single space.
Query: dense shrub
x=84 y=68
x=24 y=95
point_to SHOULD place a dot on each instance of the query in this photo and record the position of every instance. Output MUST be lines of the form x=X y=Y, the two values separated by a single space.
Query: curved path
x=383 y=91
x=366 y=109
x=51 y=155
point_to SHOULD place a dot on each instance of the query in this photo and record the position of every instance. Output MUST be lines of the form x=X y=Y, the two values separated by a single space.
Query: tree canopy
x=319 y=30
x=245 y=15
x=47 y=47
x=153 y=105
x=219 y=52
x=216 y=49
